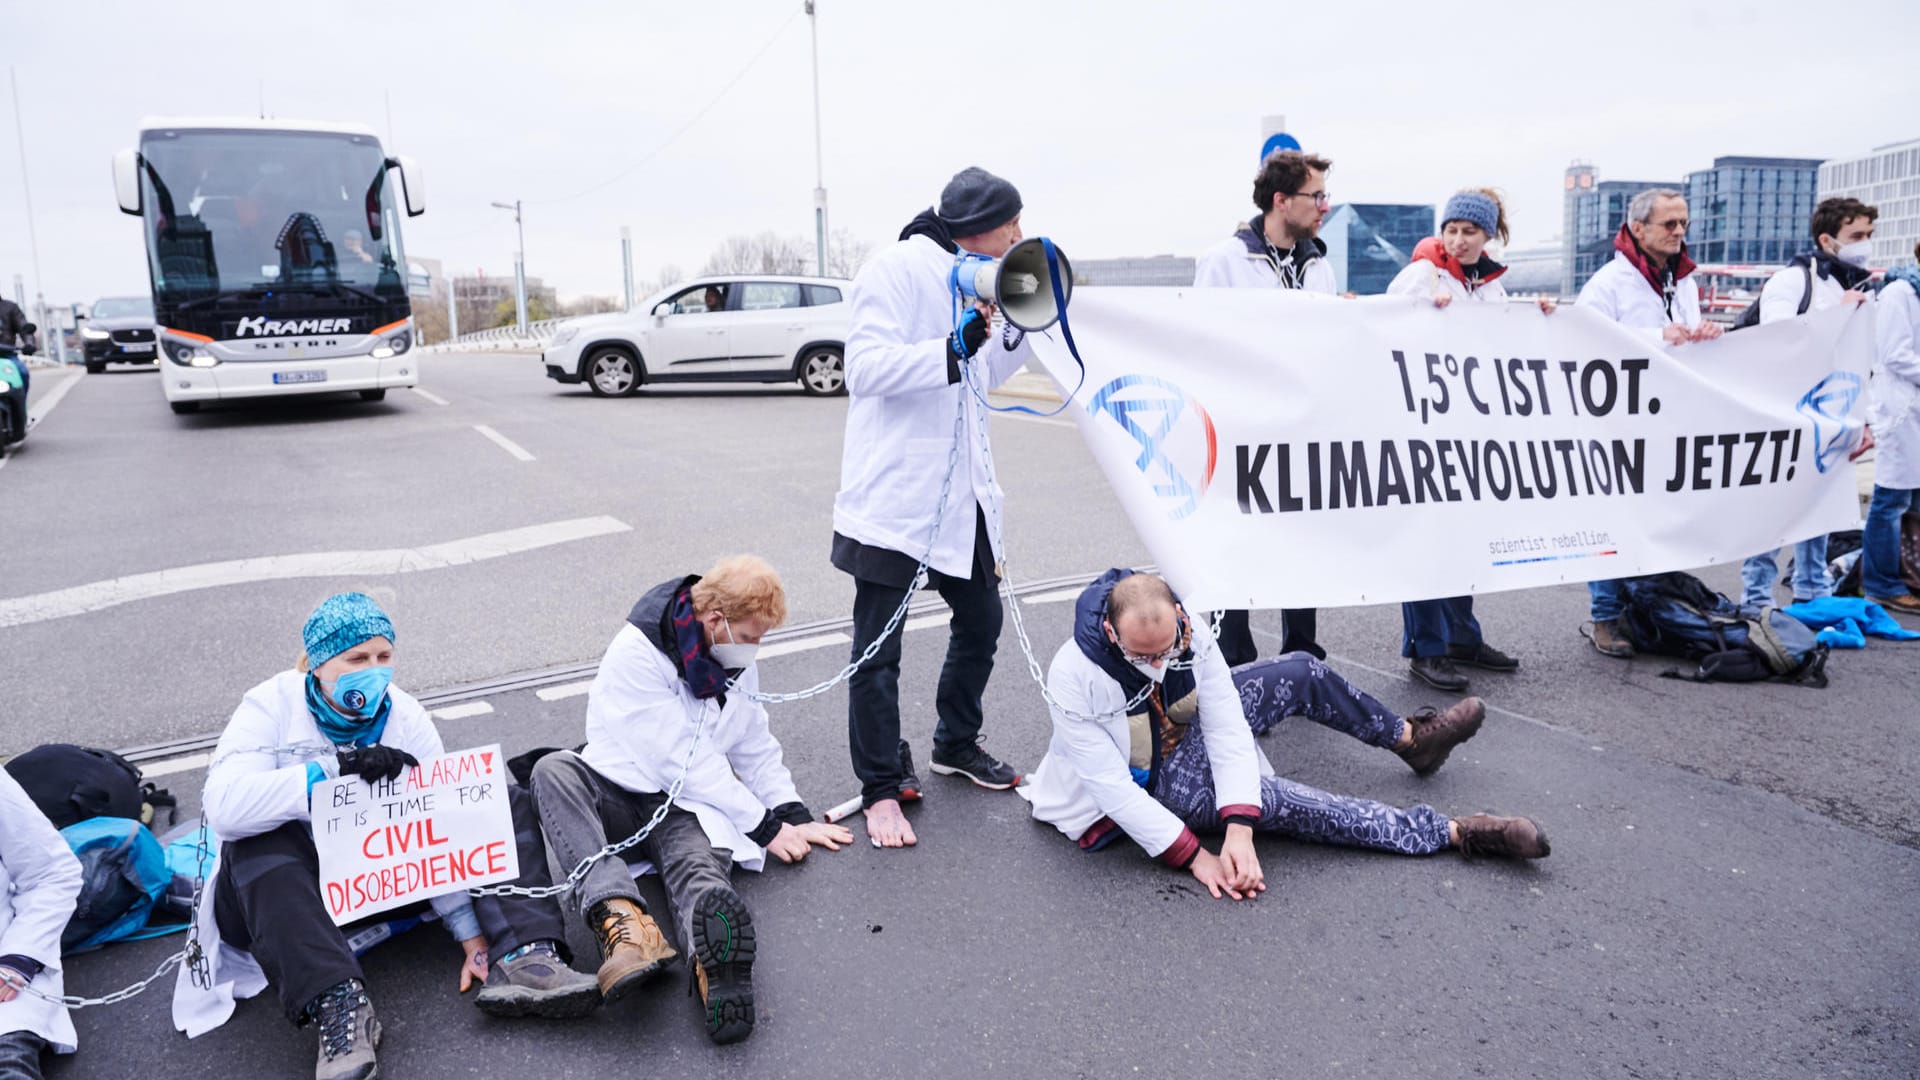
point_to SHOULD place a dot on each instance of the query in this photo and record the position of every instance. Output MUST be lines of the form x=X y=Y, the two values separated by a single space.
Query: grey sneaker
x=349 y=1033
x=534 y=981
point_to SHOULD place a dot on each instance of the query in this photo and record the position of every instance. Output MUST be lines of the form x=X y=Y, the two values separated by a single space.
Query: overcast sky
x=1131 y=128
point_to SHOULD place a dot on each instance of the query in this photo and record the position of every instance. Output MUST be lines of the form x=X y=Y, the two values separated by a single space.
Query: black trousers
x=266 y=901
x=582 y=811
x=1297 y=627
x=873 y=693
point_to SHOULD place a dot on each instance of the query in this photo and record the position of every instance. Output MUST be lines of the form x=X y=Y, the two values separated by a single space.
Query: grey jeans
x=581 y=811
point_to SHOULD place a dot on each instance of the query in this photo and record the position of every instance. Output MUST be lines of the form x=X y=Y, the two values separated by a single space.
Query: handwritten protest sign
x=437 y=828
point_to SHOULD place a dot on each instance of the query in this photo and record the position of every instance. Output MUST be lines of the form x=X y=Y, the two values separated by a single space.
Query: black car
x=120 y=332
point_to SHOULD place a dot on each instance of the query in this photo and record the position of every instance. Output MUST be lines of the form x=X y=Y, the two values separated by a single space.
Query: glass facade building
x=1887 y=179
x=1368 y=243
x=1751 y=209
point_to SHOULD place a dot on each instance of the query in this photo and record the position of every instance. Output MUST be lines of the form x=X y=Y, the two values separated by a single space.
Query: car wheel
x=182 y=408
x=374 y=395
x=823 y=372
x=612 y=372
x=95 y=368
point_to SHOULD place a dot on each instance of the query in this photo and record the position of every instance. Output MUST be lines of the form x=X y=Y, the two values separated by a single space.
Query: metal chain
x=579 y=873
x=73 y=1001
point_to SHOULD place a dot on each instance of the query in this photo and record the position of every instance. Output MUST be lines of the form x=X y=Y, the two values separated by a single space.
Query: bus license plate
x=282 y=377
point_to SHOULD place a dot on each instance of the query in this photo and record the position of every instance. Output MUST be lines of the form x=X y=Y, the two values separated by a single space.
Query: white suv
x=732 y=328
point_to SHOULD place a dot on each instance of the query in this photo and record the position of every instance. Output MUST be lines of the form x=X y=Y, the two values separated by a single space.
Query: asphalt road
x=1731 y=890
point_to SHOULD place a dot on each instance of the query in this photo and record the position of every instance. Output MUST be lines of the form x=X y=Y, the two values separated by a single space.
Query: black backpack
x=1751 y=316
x=1675 y=614
x=73 y=783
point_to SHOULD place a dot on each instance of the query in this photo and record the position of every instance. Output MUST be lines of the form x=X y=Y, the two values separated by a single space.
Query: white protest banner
x=439 y=827
x=1282 y=449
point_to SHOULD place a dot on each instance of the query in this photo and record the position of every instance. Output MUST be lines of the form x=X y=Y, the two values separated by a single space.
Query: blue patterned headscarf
x=342 y=621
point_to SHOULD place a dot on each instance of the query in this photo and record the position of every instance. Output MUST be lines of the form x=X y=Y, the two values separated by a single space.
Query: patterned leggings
x=1299 y=685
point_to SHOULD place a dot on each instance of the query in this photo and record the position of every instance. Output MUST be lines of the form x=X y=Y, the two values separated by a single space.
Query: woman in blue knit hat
x=262 y=921
x=1441 y=635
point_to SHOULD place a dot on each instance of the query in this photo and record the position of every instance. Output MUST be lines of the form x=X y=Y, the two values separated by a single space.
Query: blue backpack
x=1675 y=614
x=124 y=873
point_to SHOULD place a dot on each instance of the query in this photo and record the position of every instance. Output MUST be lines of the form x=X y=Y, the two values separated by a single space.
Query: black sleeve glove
x=25 y=965
x=375 y=763
x=967 y=338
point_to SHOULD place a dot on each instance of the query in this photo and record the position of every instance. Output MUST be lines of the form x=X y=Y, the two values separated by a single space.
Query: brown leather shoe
x=1435 y=735
x=1502 y=837
x=1611 y=640
x=632 y=949
x=1905 y=603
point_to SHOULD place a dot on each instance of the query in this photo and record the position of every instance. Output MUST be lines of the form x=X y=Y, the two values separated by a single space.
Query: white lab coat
x=251 y=790
x=640 y=718
x=1893 y=397
x=1229 y=265
x=1085 y=775
x=1780 y=297
x=1420 y=278
x=901 y=408
x=39 y=882
x=1618 y=291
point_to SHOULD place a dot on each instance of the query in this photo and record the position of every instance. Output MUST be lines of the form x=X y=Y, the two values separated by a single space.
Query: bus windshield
x=269 y=214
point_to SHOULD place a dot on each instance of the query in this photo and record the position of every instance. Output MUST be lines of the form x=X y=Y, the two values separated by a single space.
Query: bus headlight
x=189 y=354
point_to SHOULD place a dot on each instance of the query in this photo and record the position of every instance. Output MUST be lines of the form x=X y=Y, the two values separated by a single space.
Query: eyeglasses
x=1673 y=225
x=1319 y=198
x=1150 y=658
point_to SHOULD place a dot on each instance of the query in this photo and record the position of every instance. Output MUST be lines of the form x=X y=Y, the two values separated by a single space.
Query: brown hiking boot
x=1502 y=837
x=1611 y=640
x=723 y=948
x=632 y=949
x=1435 y=735
x=1905 y=603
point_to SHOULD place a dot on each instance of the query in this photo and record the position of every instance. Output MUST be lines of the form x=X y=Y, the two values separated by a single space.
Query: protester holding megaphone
x=911 y=336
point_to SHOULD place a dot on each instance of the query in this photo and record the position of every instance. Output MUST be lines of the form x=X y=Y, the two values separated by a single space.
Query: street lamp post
x=819 y=181
x=519 y=267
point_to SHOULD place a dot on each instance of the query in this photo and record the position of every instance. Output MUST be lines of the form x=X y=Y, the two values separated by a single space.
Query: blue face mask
x=361 y=691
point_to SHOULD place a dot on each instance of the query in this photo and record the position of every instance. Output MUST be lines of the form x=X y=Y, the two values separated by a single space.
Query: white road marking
x=503 y=442
x=782 y=648
x=1053 y=597
x=559 y=693
x=923 y=621
x=431 y=396
x=99 y=595
x=176 y=765
x=34 y=416
x=462 y=712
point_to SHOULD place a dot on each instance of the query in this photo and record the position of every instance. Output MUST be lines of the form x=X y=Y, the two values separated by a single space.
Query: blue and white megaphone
x=1031 y=283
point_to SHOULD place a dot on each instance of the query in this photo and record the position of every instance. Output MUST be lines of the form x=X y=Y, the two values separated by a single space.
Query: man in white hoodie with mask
x=909 y=352
x=1833 y=273
x=39 y=883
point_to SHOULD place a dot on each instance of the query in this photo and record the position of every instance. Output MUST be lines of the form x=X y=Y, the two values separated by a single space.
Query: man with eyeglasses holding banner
x=1646 y=286
x=1280 y=248
x=1153 y=739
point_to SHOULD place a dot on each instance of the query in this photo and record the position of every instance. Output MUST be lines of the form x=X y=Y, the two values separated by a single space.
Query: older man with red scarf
x=1647 y=286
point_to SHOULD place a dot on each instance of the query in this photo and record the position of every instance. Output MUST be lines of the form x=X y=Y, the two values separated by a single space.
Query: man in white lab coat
x=39 y=882
x=908 y=352
x=684 y=661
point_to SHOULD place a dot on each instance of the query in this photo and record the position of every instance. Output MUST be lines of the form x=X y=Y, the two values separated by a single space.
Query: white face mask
x=730 y=654
x=1856 y=253
x=1157 y=674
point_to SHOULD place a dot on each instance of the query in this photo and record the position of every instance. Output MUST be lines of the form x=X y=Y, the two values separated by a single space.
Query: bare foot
x=887 y=826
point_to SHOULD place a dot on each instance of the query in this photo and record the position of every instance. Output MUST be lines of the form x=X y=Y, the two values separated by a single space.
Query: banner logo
x=1174 y=432
x=1829 y=405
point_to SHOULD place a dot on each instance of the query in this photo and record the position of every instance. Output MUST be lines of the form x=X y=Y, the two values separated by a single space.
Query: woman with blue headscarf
x=261 y=920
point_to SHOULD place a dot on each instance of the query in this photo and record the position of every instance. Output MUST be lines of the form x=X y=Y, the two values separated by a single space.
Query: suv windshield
x=268 y=213
x=124 y=307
